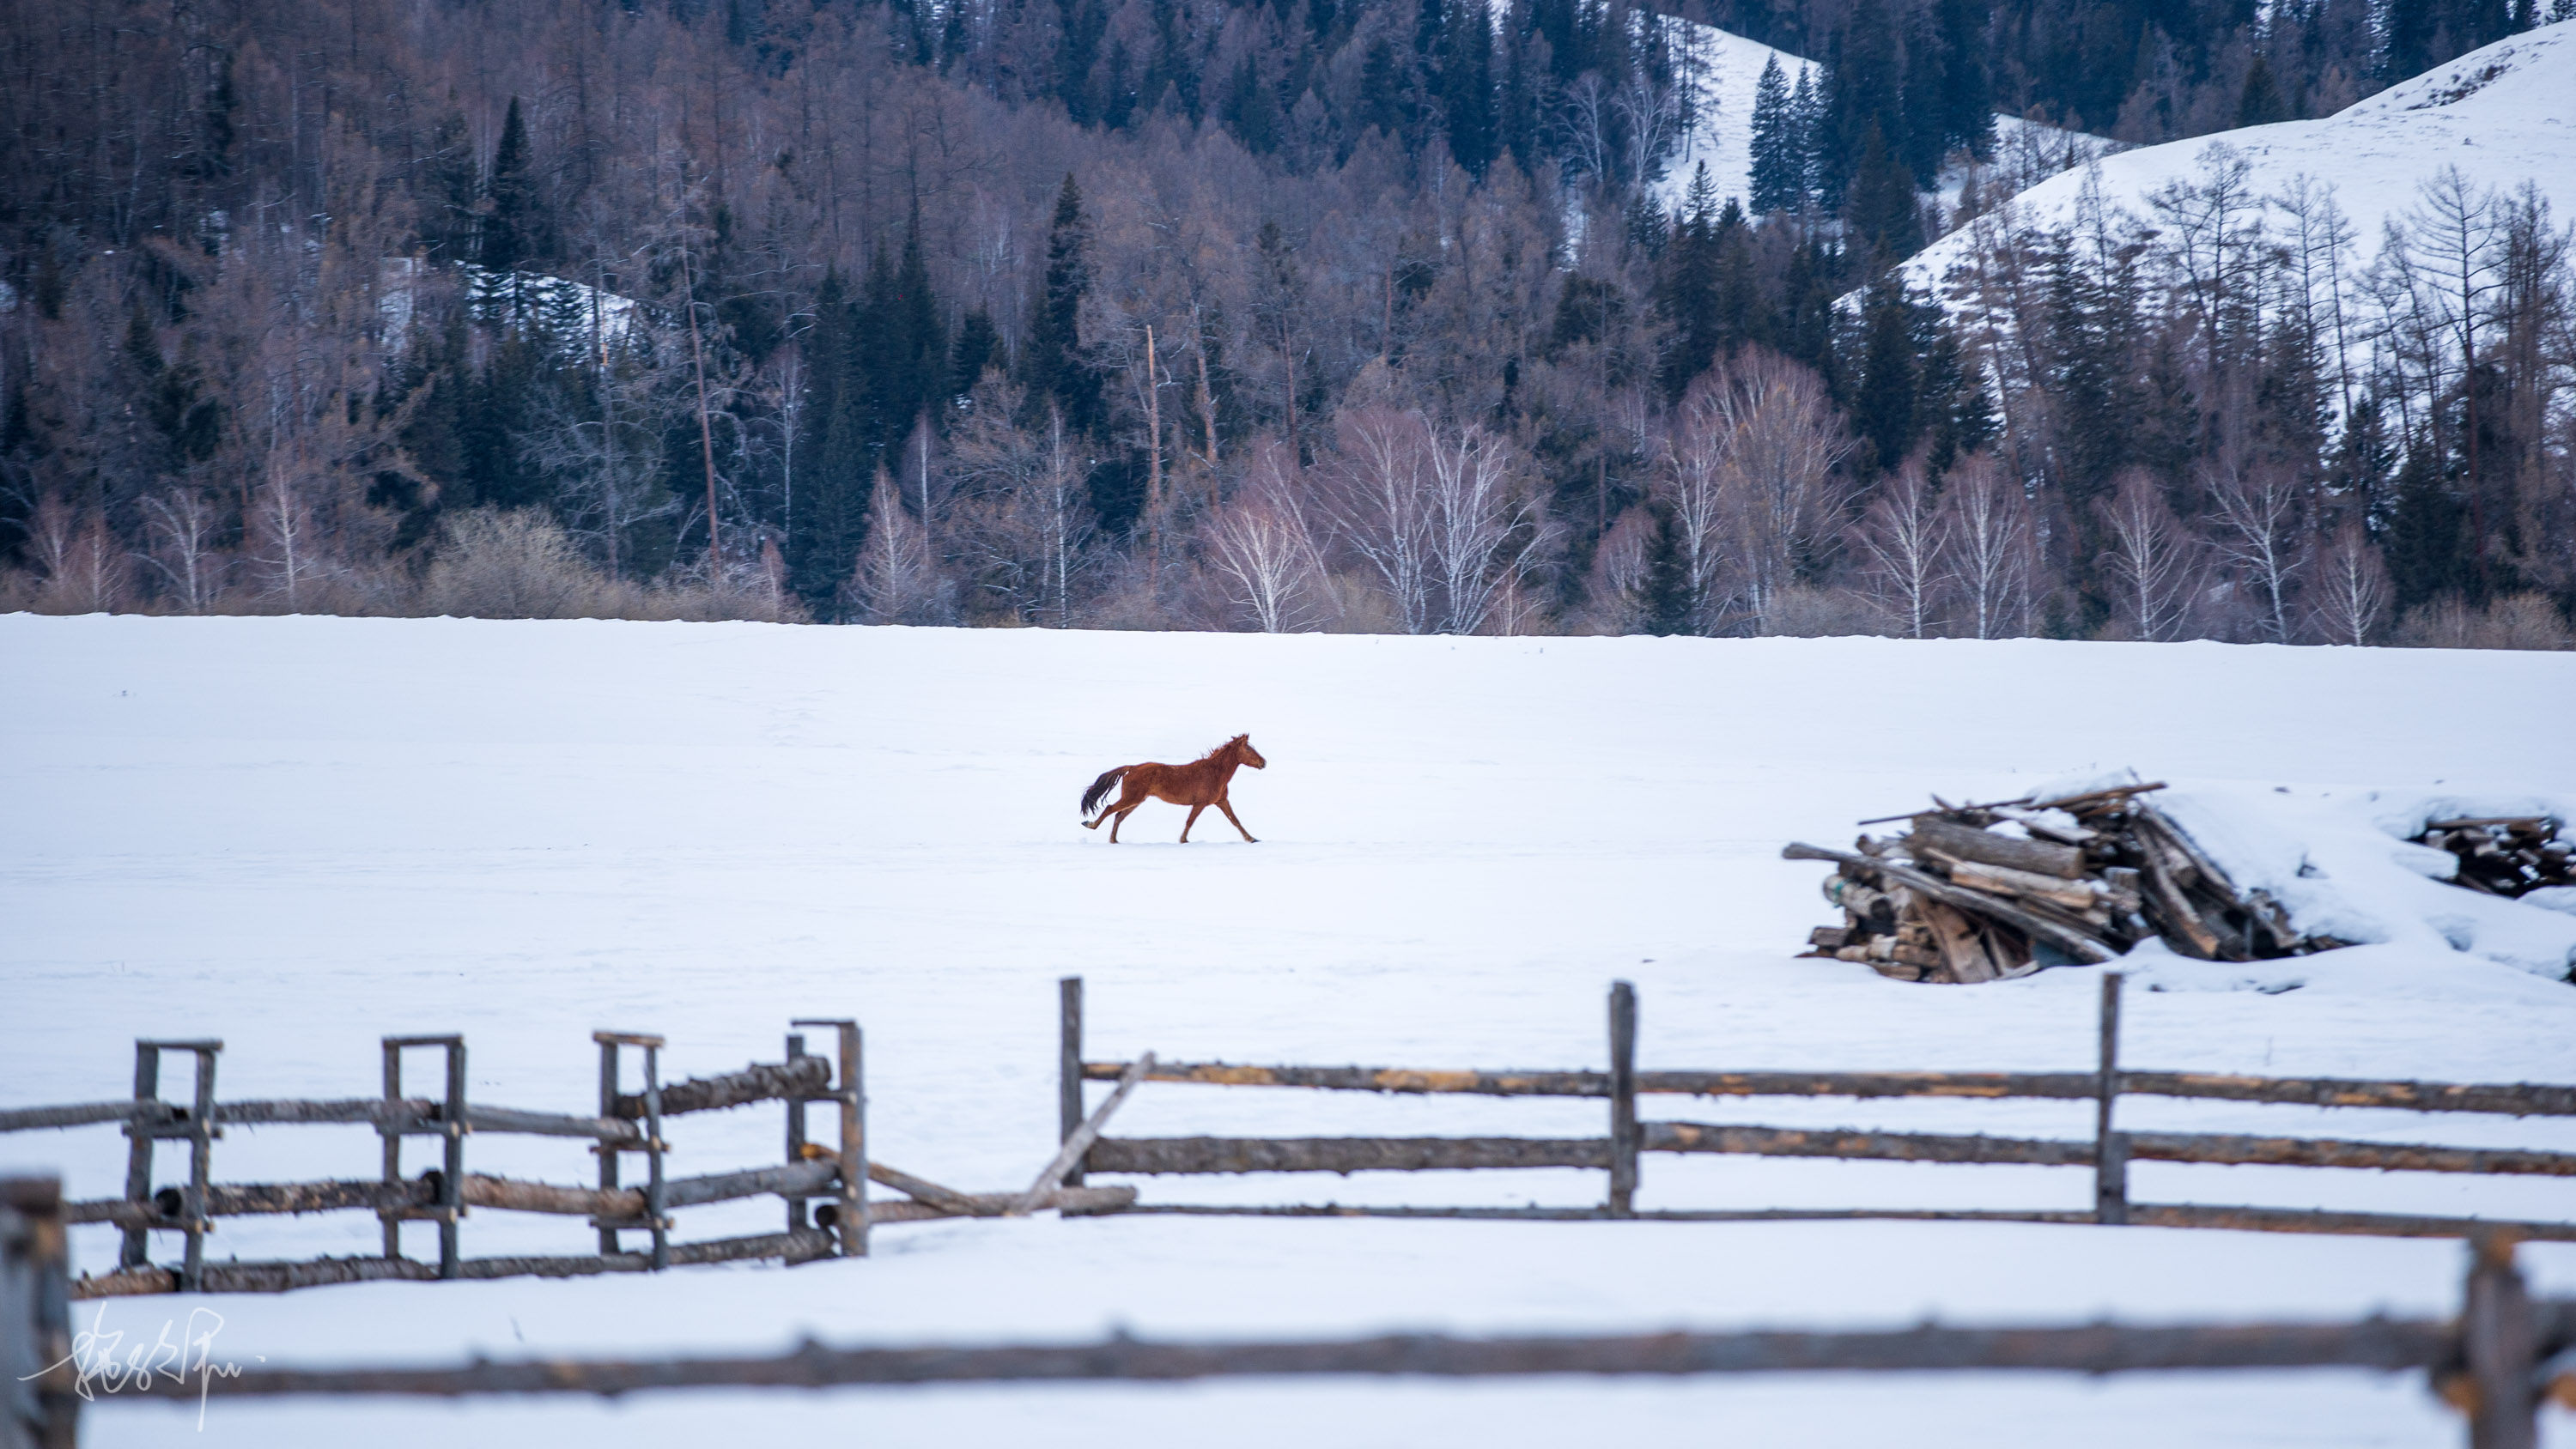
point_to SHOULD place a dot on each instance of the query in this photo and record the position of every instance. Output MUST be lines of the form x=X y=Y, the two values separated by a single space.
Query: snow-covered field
x=303 y=834
x=2502 y=115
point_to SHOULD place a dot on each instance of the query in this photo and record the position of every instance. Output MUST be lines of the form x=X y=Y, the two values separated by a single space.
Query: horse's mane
x=1221 y=749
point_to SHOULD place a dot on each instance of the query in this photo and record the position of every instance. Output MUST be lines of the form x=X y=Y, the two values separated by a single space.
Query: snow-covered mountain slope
x=1727 y=66
x=2503 y=115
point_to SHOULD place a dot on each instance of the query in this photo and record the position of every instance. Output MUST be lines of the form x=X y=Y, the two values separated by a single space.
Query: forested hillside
x=1287 y=314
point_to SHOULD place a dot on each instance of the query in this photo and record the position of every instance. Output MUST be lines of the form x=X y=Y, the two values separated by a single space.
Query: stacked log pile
x=1974 y=893
x=2506 y=855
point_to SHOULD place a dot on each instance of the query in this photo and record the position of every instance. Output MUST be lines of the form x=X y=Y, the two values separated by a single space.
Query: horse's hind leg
x=1121 y=811
x=1193 y=820
x=1238 y=824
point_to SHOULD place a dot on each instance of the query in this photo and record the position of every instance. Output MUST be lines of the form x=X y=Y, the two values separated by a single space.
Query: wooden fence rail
x=2107 y=1153
x=823 y=1185
x=2497 y=1362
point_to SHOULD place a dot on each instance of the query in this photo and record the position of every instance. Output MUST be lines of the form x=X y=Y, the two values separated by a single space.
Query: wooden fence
x=2108 y=1153
x=823 y=1185
x=2497 y=1362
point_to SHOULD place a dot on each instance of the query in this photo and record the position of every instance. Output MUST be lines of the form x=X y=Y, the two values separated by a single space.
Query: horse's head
x=1244 y=751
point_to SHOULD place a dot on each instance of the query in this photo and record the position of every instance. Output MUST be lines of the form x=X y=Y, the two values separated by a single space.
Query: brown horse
x=1198 y=784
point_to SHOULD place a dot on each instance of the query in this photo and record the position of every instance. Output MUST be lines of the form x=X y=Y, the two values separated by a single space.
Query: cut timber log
x=1961 y=842
x=2003 y=880
x=2074 y=943
x=1963 y=950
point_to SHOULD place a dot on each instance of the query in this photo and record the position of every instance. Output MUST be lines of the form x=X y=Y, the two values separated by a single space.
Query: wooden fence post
x=609 y=1152
x=850 y=1213
x=451 y=1182
x=656 y=1220
x=656 y=1217
x=146 y=1130
x=2501 y=1343
x=390 y=1131
x=449 y=1210
x=140 y=1130
x=1068 y=1066
x=40 y=1393
x=1623 y=1100
x=2110 y=1147
x=795 y=1134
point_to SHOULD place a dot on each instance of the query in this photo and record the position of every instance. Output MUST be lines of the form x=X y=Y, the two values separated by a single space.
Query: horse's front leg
x=1193 y=820
x=1222 y=804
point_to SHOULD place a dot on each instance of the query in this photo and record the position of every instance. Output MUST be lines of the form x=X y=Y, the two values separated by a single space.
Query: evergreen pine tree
x=511 y=226
x=1885 y=215
x=1467 y=84
x=1967 y=106
x=1739 y=309
x=1689 y=287
x=2426 y=541
x=1778 y=175
x=1665 y=605
x=447 y=191
x=1883 y=403
x=1808 y=123
x=978 y=350
x=1053 y=364
x=2260 y=103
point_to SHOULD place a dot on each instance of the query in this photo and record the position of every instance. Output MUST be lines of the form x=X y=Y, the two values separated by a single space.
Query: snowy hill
x=1728 y=66
x=2503 y=115
x=300 y=834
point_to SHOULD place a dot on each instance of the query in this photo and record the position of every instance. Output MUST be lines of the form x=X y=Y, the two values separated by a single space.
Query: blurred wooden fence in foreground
x=2494 y=1362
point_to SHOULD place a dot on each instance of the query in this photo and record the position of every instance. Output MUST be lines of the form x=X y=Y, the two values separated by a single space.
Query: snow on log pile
x=2509 y=856
x=1975 y=893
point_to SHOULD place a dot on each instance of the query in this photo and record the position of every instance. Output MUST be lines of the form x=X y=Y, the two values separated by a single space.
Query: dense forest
x=1254 y=314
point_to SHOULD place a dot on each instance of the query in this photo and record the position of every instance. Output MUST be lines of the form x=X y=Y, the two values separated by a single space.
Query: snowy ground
x=2501 y=114
x=303 y=834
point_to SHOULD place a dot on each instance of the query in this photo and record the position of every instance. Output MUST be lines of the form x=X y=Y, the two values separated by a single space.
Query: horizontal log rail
x=2515 y=1100
x=2220 y=1149
x=256 y=1277
x=623 y=1206
x=2161 y=1215
x=805 y=1079
x=1194 y=1155
x=2388 y=1345
x=414 y=1116
x=1225 y=1155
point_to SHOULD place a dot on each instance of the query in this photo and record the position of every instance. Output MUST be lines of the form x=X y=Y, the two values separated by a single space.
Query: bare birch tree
x=1262 y=552
x=1484 y=524
x=1780 y=442
x=183 y=528
x=1988 y=543
x=2152 y=555
x=1904 y=535
x=897 y=581
x=1379 y=511
x=2352 y=594
x=2256 y=527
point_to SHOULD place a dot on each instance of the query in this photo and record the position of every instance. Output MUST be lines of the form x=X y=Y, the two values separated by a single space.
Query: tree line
x=1180 y=313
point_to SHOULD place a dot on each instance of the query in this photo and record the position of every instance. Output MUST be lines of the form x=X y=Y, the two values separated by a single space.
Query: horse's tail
x=1100 y=788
